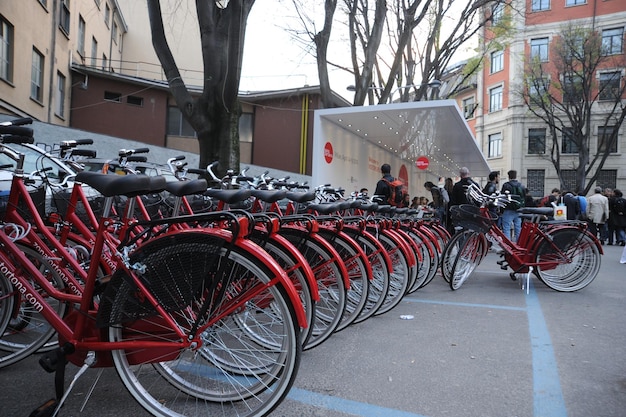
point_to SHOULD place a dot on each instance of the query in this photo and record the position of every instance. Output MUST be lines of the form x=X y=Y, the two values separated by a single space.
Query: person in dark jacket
x=382 y=192
x=459 y=190
x=573 y=205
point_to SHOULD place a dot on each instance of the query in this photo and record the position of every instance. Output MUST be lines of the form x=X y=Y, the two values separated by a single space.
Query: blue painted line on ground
x=547 y=394
x=345 y=406
x=548 y=398
x=454 y=303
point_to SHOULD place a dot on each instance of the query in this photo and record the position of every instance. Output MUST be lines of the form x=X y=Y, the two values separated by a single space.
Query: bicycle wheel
x=298 y=277
x=27 y=330
x=248 y=358
x=467 y=259
x=379 y=285
x=569 y=262
x=399 y=276
x=450 y=252
x=327 y=267
x=354 y=259
x=427 y=259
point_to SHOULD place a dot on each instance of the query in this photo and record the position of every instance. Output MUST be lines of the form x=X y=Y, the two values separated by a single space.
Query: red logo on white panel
x=328 y=152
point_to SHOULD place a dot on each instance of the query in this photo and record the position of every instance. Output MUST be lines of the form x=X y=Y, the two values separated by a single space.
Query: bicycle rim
x=467 y=259
x=573 y=266
x=398 y=278
x=246 y=364
x=27 y=330
x=332 y=292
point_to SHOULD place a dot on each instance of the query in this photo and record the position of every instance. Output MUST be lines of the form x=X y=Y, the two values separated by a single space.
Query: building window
x=569 y=179
x=177 y=125
x=535 y=182
x=135 y=101
x=497 y=61
x=495 y=99
x=575 y=2
x=539 y=5
x=539 y=49
x=604 y=139
x=6 y=50
x=114 y=32
x=246 y=127
x=495 y=145
x=64 y=19
x=36 y=76
x=469 y=107
x=105 y=63
x=537 y=141
x=94 y=52
x=568 y=144
x=107 y=14
x=497 y=13
x=572 y=89
x=612 y=41
x=607 y=178
x=610 y=85
x=81 y=36
x=111 y=96
x=60 y=95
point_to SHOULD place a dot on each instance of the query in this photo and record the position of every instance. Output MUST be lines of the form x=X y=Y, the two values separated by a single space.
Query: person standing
x=383 y=190
x=618 y=216
x=459 y=191
x=510 y=216
x=610 y=228
x=598 y=213
x=492 y=185
x=438 y=203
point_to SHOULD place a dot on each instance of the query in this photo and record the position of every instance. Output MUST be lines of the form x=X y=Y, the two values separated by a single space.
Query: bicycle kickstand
x=52 y=407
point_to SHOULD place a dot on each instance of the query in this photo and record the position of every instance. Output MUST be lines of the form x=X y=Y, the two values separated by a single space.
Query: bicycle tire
x=450 y=252
x=400 y=273
x=325 y=264
x=286 y=261
x=427 y=259
x=27 y=330
x=468 y=258
x=355 y=261
x=573 y=266
x=239 y=370
x=379 y=285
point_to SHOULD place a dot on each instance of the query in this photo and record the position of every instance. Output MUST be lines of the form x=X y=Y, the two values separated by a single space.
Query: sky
x=273 y=60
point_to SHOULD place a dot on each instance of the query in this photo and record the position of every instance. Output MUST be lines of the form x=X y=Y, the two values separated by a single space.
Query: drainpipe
x=52 y=55
x=303 y=132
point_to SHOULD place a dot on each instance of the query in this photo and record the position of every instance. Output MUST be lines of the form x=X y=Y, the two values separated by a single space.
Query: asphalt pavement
x=487 y=349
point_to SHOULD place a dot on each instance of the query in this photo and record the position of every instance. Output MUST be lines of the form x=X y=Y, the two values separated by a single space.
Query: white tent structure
x=422 y=141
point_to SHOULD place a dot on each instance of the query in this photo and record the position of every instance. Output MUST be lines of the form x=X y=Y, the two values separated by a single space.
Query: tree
x=387 y=47
x=576 y=90
x=214 y=113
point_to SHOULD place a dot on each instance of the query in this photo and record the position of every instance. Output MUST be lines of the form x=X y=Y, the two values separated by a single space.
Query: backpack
x=397 y=190
x=517 y=196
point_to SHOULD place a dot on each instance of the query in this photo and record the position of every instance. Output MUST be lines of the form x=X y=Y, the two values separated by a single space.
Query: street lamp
x=435 y=84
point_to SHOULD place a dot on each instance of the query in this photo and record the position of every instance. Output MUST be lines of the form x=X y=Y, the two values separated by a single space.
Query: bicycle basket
x=61 y=200
x=471 y=217
x=38 y=195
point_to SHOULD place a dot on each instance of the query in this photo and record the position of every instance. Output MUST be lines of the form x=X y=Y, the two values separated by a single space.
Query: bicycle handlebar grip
x=142 y=150
x=84 y=141
x=134 y=158
x=84 y=152
x=16 y=130
x=17 y=139
x=21 y=121
x=197 y=171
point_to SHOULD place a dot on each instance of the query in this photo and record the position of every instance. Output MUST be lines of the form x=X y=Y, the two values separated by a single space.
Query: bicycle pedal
x=49 y=362
x=513 y=276
x=45 y=410
x=501 y=262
